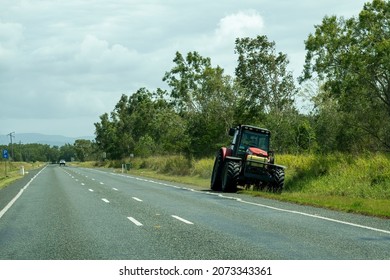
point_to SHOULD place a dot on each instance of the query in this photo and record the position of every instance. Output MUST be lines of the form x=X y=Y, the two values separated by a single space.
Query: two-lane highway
x=78 y=213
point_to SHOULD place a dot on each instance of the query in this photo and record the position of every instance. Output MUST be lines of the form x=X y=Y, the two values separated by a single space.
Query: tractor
x=248 y=161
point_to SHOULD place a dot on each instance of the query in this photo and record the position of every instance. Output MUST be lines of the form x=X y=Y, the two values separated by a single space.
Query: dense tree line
x=81 y=150
x=347 y=61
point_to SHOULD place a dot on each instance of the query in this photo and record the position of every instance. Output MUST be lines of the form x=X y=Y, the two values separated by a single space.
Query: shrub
x=203 y=168
x=177 y=165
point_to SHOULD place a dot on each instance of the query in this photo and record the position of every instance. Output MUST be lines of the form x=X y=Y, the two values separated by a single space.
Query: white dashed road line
x=137 y=199
x=183 y=220
x=105 y=200
x=134 y=221
x=91 y=190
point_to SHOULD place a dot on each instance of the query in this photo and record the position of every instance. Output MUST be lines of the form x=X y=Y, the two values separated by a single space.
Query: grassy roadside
x=13 y=171
x=356 y=184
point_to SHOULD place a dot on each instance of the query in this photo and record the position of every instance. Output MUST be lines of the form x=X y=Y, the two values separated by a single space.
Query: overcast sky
x=65 y=63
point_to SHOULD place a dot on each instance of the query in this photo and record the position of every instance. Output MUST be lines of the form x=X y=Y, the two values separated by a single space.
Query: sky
x=65 y=63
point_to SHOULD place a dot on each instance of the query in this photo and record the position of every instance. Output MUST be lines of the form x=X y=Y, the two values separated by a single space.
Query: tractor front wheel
x=216 y=181
x=278 y=183
x=230 y=174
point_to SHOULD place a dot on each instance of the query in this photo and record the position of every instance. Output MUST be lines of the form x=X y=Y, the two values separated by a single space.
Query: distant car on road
x=62 y=162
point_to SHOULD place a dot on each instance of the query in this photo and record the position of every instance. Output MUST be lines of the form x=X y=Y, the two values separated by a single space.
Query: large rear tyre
x=230 y=174
x=216 y=181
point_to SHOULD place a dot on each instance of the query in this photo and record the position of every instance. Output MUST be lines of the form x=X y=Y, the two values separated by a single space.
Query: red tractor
x=248 y=161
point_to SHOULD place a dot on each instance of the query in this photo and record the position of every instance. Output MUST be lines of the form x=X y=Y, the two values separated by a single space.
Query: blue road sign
x=5 y=154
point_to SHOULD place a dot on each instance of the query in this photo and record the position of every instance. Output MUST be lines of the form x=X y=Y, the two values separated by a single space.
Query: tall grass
x=176 y=165
x=363 y=176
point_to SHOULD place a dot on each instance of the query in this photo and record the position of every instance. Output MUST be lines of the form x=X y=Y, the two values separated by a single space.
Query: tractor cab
x=249 y=139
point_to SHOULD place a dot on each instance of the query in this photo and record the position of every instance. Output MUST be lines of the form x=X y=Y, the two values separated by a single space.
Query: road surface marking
x=311 y=215
x=8 y=206
x=101 y=183
x=82 y=184
x=264 y=206
x=105 y=200
x=91 y=190
x=135 y=198
x=183 y=220
x=134 y=221
x=115 y=189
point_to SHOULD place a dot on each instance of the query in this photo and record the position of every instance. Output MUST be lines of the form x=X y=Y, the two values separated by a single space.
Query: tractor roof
x=255 y=128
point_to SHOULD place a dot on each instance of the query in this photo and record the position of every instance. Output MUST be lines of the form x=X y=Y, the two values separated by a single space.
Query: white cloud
x=101 y=56
x=11 y=36
x=219 y=45
x=241 y=24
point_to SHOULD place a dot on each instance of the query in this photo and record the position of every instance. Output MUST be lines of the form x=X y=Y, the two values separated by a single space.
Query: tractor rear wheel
x=230 y=174
x=216 y=181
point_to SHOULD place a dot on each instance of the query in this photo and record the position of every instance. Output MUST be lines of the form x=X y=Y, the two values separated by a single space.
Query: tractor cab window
x=253 y=139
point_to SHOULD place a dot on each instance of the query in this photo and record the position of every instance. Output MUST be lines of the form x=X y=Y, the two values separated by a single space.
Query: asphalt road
x=77 y=213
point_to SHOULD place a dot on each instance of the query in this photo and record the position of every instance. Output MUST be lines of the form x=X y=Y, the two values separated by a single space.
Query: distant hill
x=52 y=140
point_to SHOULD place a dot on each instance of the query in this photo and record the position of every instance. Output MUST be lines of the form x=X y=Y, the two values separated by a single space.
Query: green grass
x=365 y=176
x=356 y=184
x=13 y=171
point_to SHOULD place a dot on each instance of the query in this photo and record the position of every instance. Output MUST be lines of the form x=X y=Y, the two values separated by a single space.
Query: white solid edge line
x=313 y=216
x=134 y=221
x=181 y=219
x=9 y=205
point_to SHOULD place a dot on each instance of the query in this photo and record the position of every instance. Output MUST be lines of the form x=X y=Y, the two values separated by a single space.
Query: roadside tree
x=352 y=57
